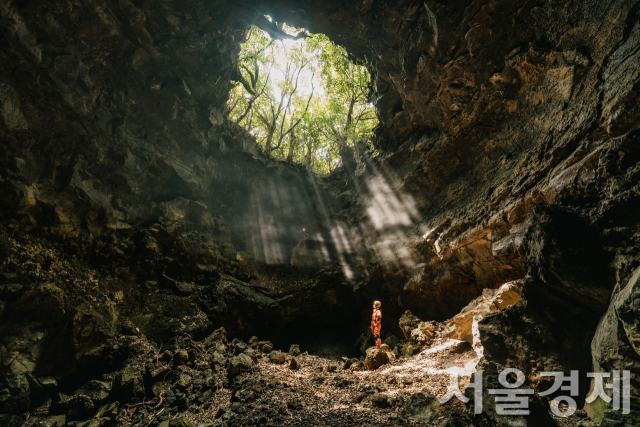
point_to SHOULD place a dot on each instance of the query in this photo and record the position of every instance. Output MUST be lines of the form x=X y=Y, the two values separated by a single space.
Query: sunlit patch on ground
x=314 y=388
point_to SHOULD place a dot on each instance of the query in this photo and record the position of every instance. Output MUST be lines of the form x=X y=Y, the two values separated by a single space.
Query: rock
x=422 y=408
x=218 y=359
x=302 y=257
x=461 y=347
x=46 y=421
x=127 y=384
x=422 y=334
x=46 y=303
x=616 y=338
x=346 y=362
x=240 y=347
x=184 y=381
x=539 y=415
x=79 y=407
x=276 y=357
x=109 y=411
x=97 y=391
x=159 y=374
x=253 y=354
x=294 y=350
x=460 y=327
x=377 y=357
x=293 y=364
x=215 y=338
x=392 y=341
x=182 y=289
x=181 y=357
x=408 y=350
x=159 y=388
x=407 y=323
x=368 y=387
x=253 y=342
x=240 y=363
x=340 y=382
x=359 y=397
x=378 y=400
x=177 y=422
x=267 y=348
x=357 y=366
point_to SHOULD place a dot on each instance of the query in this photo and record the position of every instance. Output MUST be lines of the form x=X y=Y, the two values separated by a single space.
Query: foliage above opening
x=301 y=97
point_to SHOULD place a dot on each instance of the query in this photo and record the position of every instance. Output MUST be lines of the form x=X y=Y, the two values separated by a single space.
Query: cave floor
x=314 y=396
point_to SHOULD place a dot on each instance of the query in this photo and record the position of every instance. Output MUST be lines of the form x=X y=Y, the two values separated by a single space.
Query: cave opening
x=304 y=99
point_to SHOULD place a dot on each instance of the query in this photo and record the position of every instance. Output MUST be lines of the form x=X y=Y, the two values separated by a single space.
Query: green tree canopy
x=301 y=97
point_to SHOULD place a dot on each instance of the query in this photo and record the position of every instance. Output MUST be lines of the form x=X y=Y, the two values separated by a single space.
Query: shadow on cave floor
x=327 y=341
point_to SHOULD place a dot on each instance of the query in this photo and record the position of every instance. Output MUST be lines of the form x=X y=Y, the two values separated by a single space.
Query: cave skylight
x=301 y=96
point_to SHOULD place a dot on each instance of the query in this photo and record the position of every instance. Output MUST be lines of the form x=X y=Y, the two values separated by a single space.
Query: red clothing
x=376 y=321
x=376 y=324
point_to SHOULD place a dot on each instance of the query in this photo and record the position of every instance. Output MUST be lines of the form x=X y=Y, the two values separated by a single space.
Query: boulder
x=294 y=350
x=422 y=334
x=293 y=364
x=460 y=327
x=240 y=347
x=276 y=357
x=216 y=337
x=253 y=342
x=239 y=363
x=267 y=348
x=422 y=408
x=377 y=357
x=616 y=346
x=378 y=400
x=407 y=323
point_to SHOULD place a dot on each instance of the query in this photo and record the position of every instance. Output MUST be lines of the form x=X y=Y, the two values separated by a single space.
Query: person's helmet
x=377 y=304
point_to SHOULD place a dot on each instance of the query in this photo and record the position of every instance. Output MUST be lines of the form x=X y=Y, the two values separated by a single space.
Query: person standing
x=376 y=322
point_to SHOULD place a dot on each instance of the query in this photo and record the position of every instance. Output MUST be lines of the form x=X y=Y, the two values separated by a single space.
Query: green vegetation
x=301 y=97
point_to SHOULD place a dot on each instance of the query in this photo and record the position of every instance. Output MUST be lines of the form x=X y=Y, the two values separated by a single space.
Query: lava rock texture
x=508 y=149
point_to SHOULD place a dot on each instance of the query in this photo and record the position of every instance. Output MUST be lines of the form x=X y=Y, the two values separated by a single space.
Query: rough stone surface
x=239 y=363
x=294 y=350
x=460 y=327
x=616 y=345
x=508 y=146
x=377 y=357
x=301 y=257
x=276 y=357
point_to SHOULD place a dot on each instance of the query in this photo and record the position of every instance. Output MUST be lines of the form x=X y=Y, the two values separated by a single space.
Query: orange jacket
x=376 y=321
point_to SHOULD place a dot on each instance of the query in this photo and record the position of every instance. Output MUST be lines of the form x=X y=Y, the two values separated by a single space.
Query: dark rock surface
x=508 y=145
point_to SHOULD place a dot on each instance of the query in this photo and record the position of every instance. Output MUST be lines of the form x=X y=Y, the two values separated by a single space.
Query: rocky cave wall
x=508 y=146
